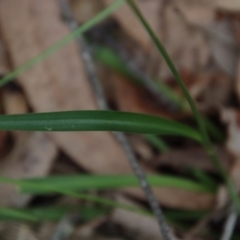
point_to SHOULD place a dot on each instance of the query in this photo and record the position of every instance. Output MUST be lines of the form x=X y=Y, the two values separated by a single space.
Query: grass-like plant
x=202 y=127
x=105 y=121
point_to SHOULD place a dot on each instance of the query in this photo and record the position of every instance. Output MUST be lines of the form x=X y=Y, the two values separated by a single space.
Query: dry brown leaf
x=3 y=144
x=132 y=98
x=130 y=23
x=197 y=13
x=194 y=157
x=186 y=46
x=13 y=231
x=141 y=227
x=4 y=68
x=237 y=34
x=185 y=199
x=32 y=156
x=232 y=118
x=222 y=197
x=26 y=233
x=88 y=230
x=84 y=10
x=223 y=46
x=141 y=148
x=14 y=102
x=235 y=174
x=229 y=5
x=210 y=90
x=144 y=227
x=59 y=83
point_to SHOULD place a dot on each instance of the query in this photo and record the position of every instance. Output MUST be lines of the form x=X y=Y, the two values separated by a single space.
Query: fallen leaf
x=26 y=233
x=132 y=98
x=4 y=68
x=141 y=148
x=12 y=231
x=185 y=199
x=224 y=47
x=237 y=34
x=59 y=83
x=88 y=230
x=32 y=156
x=232 y=118
x=197 y=13
x=194 y=157
x=145 y=227
x=210 y=90
x=222 y=197
x=186 y=46
x=228 y=5
x=84 y=10
x=131 y=24
x=14 y=102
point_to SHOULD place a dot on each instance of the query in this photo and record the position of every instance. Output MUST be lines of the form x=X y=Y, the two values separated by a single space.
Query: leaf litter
x=202 y=38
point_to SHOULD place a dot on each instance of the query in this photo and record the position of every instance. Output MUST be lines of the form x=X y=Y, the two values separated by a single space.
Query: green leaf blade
x=104 y=182
x=96 y=121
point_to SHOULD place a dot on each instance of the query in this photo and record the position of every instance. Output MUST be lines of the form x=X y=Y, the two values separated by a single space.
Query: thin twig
x=87 y=58
x=230 y=224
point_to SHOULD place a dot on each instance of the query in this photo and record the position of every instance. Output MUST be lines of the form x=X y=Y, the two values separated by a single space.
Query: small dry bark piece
x=59 y=83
